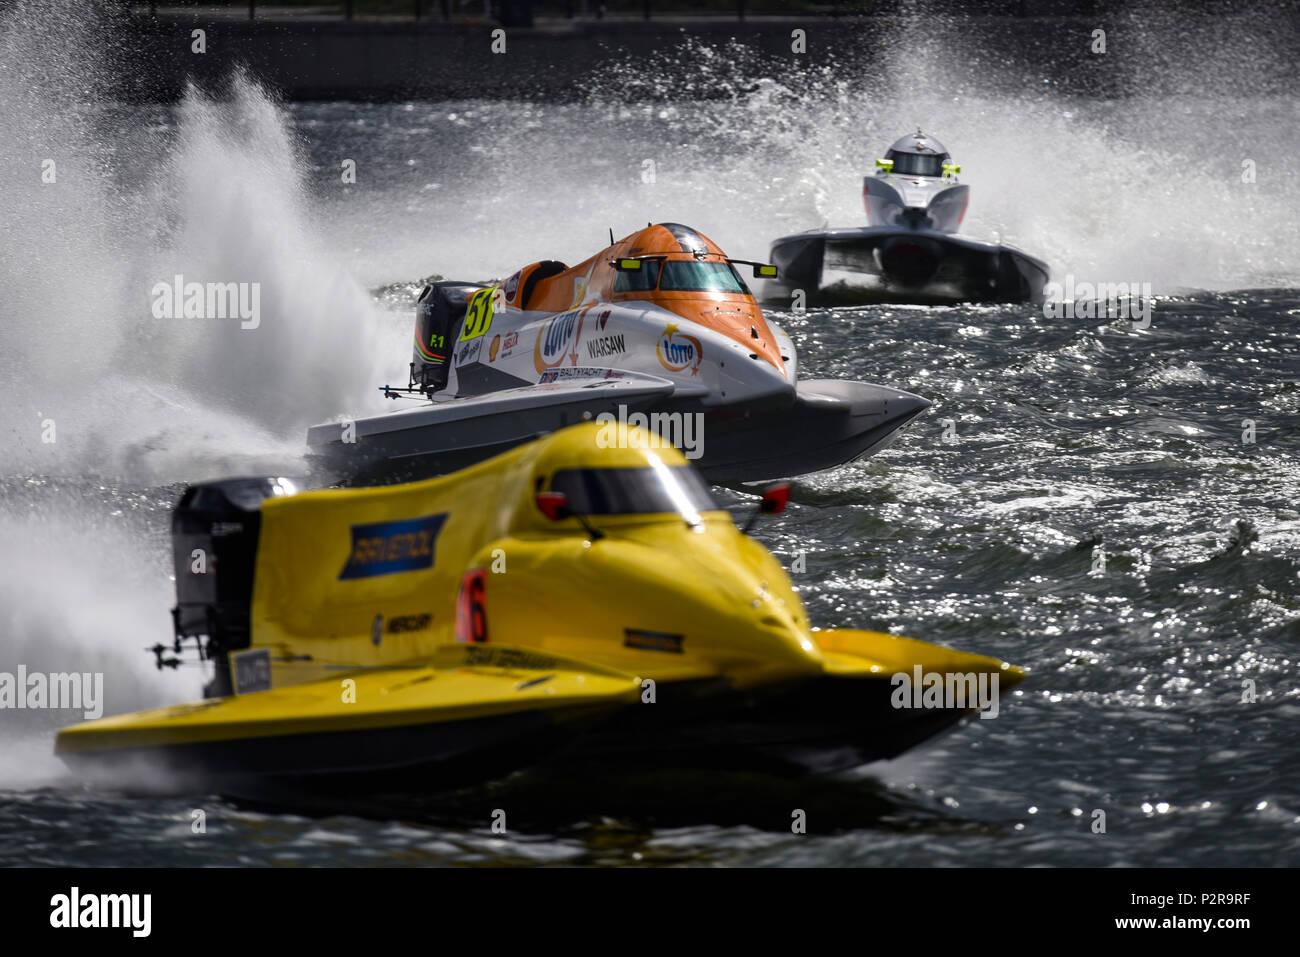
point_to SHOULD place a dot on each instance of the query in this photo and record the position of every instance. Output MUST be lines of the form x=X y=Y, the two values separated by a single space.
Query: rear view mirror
x=762 y=271
x=773 y=502
x=775 y=499
x=886 y=165
x=554 y=505
x=627 y=265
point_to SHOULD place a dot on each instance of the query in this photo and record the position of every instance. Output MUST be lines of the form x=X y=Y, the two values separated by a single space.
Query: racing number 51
x=478 y=314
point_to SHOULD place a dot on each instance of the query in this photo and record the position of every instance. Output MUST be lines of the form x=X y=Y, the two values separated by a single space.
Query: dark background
x=308 y=51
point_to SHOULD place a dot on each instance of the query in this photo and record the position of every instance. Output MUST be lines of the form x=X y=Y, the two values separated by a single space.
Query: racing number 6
x=471 y=613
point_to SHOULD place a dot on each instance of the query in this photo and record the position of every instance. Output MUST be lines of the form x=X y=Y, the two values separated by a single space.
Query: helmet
x=918 y=155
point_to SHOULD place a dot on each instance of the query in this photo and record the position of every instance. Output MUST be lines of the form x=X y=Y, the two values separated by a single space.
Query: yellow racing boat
x=581 y=597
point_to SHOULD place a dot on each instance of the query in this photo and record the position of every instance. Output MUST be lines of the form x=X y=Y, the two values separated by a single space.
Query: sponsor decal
x=492 y=349
x=512 y=285
x=508 y=344
x=251 y=670
x=678 y=352
x=432 y=353
x=469 y=351
x=603 y=318
x=387 y=548
x=405 y=623
x=478 y=313
x=487 y=656
x=652 y=640
x=606 y=346
x=471 y=613
x=558 y=341
x=579 y=292
x=577 y=372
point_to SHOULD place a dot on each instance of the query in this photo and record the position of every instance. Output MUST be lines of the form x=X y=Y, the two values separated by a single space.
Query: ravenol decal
x=386 y=548
x=478 y=313
x=558 y=341
x=678 y=352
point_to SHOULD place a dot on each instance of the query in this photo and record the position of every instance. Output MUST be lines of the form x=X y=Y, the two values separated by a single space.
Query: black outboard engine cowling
x=215 y=529
x=439 y=312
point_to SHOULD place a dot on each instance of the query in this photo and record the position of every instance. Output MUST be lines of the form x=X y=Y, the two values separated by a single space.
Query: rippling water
x=1070 y=436
x=1115 y=509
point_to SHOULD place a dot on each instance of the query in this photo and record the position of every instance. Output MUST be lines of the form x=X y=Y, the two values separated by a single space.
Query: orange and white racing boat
x=658 y=330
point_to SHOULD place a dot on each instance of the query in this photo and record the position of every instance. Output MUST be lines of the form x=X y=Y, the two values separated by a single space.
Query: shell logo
x=492 y=349
x=678 y=352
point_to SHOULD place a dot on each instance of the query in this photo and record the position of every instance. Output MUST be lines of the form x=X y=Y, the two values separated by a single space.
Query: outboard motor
x=215 y=529
x=438 y=315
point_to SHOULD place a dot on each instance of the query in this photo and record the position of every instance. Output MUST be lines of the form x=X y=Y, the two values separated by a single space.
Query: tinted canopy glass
x=917 y=164
x=638 y=280
x=687 y=275
x=635 y=491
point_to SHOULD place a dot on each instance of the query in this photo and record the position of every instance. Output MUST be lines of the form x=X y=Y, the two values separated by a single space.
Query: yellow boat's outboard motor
x=214 y=544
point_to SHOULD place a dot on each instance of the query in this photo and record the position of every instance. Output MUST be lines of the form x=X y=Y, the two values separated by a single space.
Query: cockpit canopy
x=650 y=489
x=918 y=155
x=681 y=275
x=610 y=468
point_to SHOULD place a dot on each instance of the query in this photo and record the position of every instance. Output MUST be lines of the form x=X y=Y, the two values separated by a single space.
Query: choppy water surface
x=1115 y=509
x=1070 y=436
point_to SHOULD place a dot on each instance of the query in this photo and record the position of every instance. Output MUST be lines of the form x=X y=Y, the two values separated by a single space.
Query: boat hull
x=822 y=424
x=907 y=265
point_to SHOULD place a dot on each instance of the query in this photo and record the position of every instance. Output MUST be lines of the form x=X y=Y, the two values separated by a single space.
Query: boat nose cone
x=905 y=406
x=885 y=413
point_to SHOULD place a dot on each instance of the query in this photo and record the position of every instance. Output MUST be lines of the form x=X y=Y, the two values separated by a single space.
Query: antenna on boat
x=611 y=235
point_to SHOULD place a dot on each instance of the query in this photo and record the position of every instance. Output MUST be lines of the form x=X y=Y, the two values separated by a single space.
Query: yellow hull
x=427 y=624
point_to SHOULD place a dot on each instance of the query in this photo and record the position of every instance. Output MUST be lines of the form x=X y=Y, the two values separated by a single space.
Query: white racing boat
x=658 y=330
x=909 y=251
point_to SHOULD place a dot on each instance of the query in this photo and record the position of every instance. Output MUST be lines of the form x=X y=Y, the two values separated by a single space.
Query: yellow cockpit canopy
x=610 y=468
